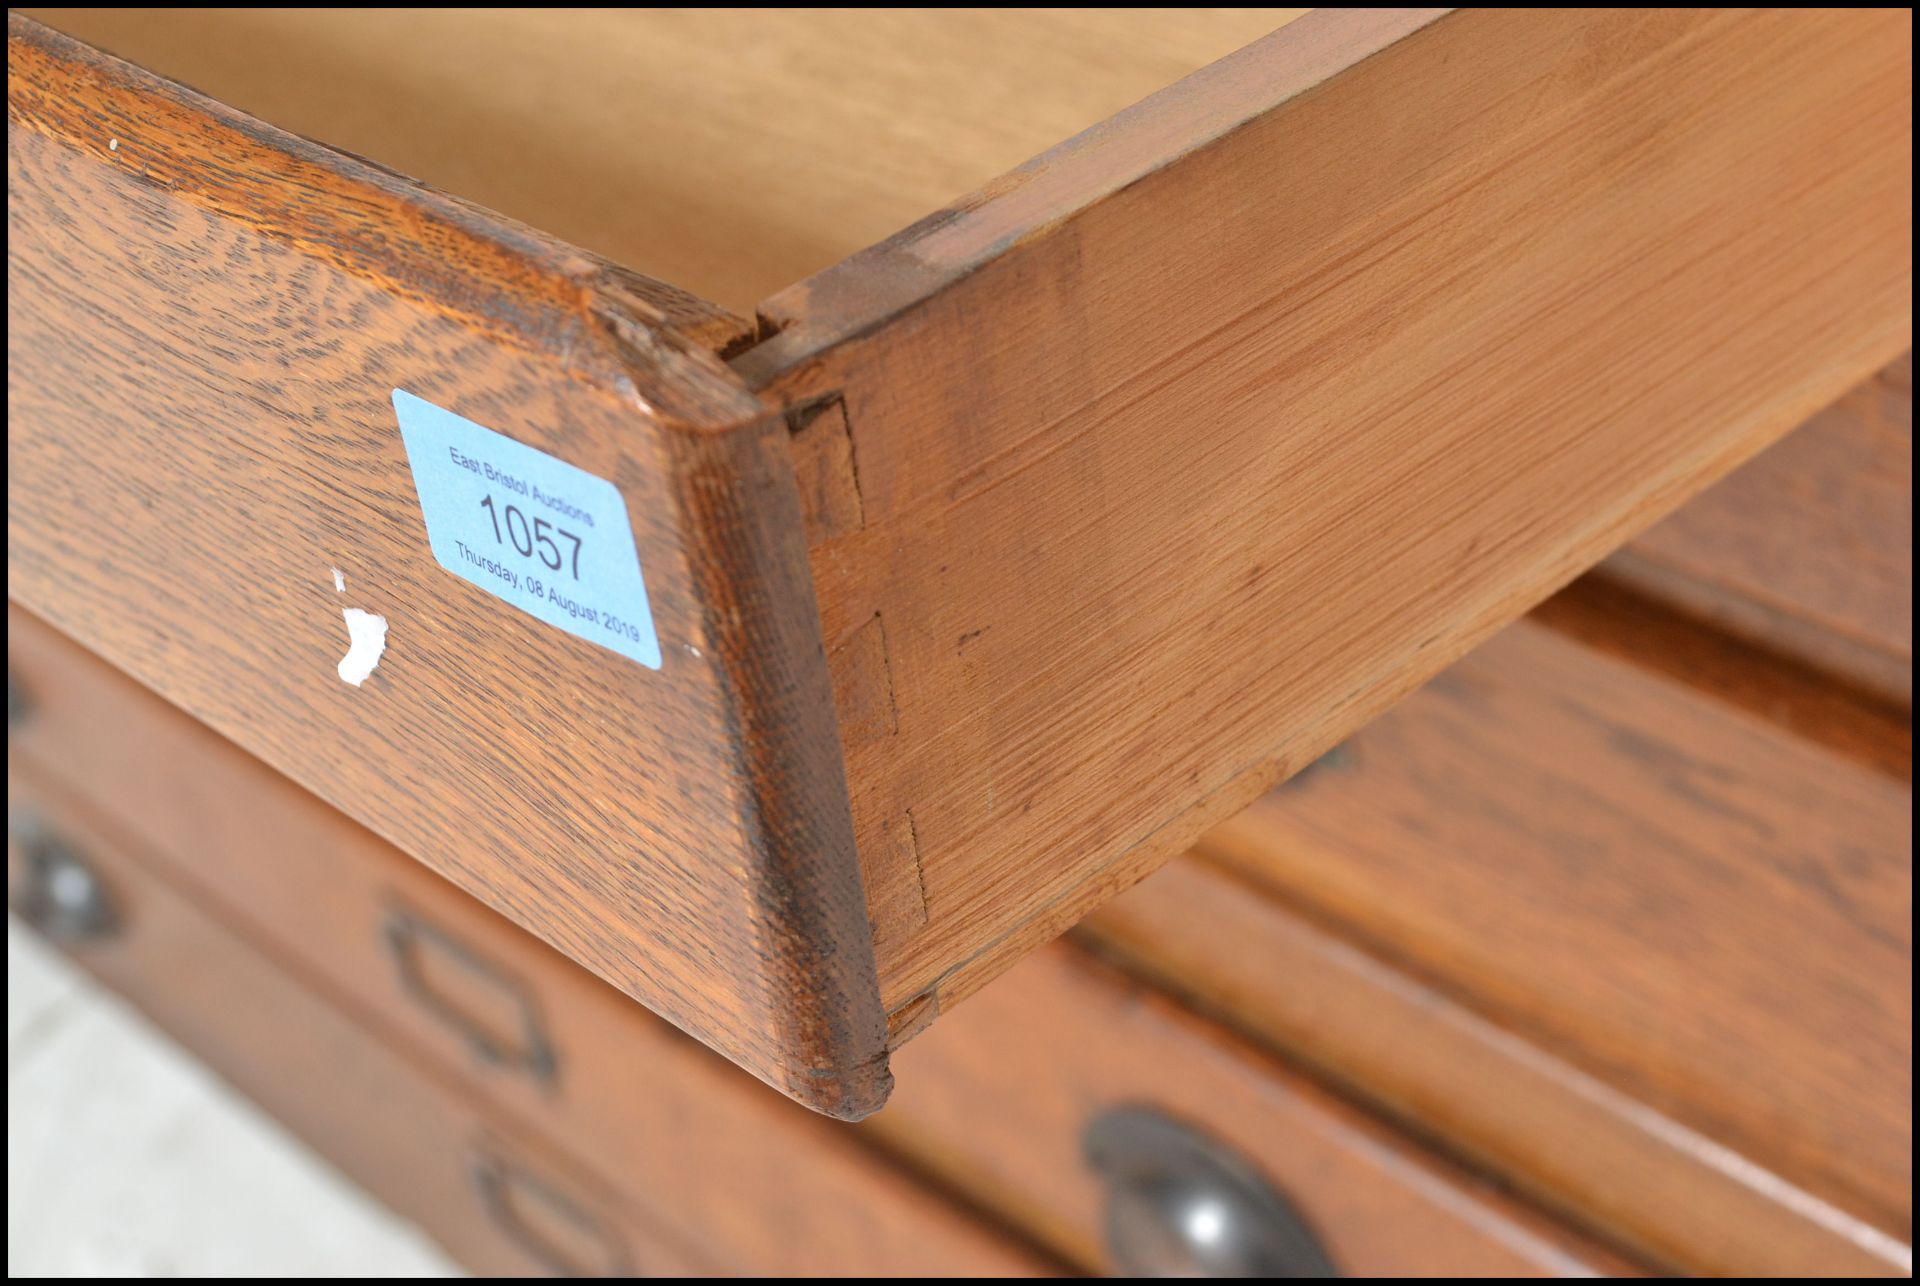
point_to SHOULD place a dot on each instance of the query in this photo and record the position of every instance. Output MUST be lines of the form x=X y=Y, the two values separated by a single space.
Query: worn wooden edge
x=655 y=349
x=740 y=493
x=866 y=291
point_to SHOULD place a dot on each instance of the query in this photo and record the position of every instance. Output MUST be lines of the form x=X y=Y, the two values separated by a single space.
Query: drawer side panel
x=1252 y=408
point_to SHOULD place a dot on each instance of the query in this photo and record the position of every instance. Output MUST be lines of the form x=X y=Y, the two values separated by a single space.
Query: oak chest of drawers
x=793 y=660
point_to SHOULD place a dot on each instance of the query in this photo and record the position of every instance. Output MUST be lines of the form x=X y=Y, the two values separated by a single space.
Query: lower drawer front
x=749 y=1177
x=1642 y=952
x=1017 y=1094
x=1001 y=1100
x=500 y=1201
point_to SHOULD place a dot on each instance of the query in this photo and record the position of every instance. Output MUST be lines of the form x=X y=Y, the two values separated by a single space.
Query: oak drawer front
x=707 y=1148
x=214 y=328
x=1652 y=950
x=499 y=1200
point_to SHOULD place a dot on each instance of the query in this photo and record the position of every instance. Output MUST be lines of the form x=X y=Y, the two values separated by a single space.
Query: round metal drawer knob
x=1183 y=1205
x=58 y=893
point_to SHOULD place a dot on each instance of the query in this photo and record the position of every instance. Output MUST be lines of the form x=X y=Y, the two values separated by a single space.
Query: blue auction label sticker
x=544 y=535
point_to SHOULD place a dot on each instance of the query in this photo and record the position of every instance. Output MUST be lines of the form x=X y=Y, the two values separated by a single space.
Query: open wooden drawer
x=984 y=568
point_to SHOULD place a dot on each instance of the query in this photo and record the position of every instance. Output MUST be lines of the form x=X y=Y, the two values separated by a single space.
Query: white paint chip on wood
x=366 y=640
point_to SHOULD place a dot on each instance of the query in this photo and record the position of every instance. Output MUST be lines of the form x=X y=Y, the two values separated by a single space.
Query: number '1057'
x=526 y=537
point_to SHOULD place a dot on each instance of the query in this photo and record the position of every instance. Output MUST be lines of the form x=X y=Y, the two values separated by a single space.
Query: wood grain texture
x=402 y=1133
x=207 y=318
x=1252 y=408
x=1677 y=899
x=1246 y=411
x=688 y=1140
x=999 y=1094
x=1599 y=1157
x=1807 y=548
x=731 y=151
